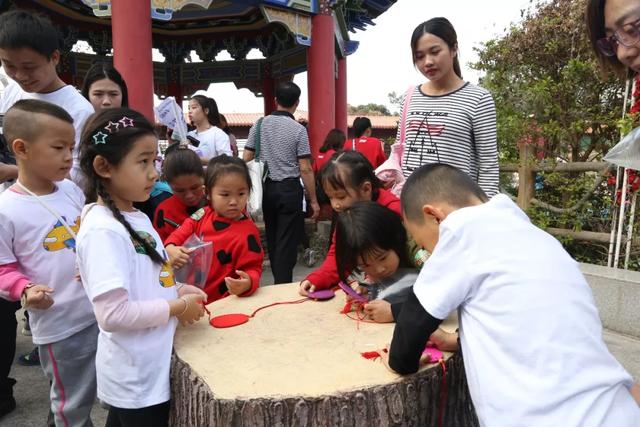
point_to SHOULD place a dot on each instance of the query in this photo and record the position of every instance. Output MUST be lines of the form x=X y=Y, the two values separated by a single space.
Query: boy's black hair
x=287 y=94
x=365 y=228
x=21 y=120
x=180 y=161
x=334 y=141
x=360 y=125
x=20 y=29
x=438 y=182
x=114 y=149
x=223 y=165
x=103 y=70
x=348 y=170
x=207 y=103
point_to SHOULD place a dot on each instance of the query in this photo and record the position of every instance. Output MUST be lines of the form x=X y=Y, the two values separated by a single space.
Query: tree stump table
x=300 y=365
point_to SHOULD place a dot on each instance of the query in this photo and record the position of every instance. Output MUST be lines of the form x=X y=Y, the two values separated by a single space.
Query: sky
x=385 y=51
x=382 y=63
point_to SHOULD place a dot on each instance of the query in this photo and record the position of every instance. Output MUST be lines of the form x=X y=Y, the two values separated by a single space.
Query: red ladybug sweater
x=236 y=246
x=326 y=275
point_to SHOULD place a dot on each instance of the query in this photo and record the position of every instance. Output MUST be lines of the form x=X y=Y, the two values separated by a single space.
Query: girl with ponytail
x=447 y=120
x=124 y=269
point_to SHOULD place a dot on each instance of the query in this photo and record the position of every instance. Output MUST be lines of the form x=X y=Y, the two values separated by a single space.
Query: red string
x=279 y=303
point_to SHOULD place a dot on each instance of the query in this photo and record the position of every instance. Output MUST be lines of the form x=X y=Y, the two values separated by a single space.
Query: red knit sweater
x=326 y=275
x=236 y=246
x=169 y=215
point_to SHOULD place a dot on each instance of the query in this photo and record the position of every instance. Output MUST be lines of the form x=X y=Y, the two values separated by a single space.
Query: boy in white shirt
x=529 y=329
x=39 y=218
x=30 y=53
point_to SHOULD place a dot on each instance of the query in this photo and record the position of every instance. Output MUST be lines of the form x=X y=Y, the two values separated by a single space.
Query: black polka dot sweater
x=236 y=246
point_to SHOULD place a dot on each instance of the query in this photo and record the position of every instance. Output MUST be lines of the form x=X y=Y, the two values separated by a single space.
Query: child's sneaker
x=30 y=359
x=309 y=257
x=26 y=328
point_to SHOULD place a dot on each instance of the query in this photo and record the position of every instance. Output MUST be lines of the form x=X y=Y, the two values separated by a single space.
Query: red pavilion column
x=268 y=94
x=341 y=96
x=321 y=77
x=131 y=34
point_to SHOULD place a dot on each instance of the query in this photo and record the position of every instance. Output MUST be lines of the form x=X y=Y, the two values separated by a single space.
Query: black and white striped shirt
x=283 y=141
x=458 y=129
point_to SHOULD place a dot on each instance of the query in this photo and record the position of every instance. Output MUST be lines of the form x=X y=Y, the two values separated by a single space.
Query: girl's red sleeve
x=182 y=233
x=249 y=254
x=326 y=276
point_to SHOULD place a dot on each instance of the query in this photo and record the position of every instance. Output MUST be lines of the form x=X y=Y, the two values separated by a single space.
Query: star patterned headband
x=100 y=137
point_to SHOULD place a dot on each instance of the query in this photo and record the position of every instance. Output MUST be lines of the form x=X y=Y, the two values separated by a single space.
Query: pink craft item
x=353 y=294
x=323 y=295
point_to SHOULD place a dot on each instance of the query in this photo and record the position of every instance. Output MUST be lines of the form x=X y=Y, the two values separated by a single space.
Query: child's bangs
x=335 y=177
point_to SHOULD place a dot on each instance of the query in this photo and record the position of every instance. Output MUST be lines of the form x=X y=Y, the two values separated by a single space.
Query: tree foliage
x=549 y=90
x=369 y=110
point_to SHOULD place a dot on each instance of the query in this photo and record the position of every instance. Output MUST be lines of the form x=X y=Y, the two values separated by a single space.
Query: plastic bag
x=626 y=153
x=196 y=270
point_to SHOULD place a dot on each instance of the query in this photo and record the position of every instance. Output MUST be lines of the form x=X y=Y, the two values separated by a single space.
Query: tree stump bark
x=414 y=401
x=300 y=365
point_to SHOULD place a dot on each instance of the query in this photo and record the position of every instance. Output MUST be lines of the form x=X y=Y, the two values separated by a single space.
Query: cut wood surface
x=301 y=365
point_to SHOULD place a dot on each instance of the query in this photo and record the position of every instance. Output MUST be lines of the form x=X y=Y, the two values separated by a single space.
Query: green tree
x=548 y=88
x=369 y=110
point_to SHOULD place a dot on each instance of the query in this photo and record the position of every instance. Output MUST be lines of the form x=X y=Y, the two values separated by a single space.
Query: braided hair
x=114 y=148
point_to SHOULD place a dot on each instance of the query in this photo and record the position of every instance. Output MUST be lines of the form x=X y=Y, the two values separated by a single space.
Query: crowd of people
x=93 y=225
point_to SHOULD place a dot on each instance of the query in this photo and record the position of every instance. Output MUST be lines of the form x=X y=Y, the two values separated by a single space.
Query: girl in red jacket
x=346 y=179
x=238 y=255
x=183 y=171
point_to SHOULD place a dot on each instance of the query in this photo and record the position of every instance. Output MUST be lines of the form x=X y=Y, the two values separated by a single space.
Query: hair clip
x=100 y=138
x=126 y=122
x=112 y=127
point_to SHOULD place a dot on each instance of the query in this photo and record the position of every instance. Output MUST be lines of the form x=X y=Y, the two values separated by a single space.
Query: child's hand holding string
x=379 y=311
x=178 y=255
x=238 y=286
x=37 y=297
x=188 y=308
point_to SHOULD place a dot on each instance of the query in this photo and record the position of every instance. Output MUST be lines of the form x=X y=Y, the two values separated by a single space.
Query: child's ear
x=366 y=190
x=432 y=212
x=102 y=167
x=20 y=148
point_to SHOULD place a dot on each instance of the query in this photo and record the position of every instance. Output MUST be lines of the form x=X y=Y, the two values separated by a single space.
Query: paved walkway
x=32 y=388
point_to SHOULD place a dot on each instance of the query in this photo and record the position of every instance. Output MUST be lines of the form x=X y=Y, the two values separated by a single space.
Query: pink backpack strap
x=405 y=108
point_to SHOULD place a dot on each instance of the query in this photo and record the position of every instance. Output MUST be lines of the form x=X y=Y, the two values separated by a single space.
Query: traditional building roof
x=248 y=119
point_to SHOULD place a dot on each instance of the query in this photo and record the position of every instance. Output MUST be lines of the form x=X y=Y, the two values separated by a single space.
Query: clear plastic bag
x=196 y=270
x=626 y=153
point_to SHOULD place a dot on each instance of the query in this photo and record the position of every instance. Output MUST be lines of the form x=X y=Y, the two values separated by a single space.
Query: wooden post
x=526 y=176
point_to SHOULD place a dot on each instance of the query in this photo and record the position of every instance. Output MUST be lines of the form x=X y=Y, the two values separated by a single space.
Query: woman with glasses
x=448 y=120
x=614 y=32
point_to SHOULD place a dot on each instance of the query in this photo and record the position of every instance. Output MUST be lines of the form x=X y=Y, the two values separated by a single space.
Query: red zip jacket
x=236 y=246
x=326 y=275
x=170 y=214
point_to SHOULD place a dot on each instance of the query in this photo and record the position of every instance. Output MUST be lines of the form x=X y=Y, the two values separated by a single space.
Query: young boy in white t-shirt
x=39 y=218
x=529 y=328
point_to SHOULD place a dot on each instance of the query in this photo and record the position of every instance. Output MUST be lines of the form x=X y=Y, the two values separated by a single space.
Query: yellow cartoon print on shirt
x=166 y=276
x=166 y=273
x=59 y=238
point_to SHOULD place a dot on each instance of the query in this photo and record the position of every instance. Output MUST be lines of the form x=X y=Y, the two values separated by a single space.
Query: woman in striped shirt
x=448 y=120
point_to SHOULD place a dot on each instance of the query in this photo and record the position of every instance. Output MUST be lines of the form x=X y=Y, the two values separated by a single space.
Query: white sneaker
x=309 y=257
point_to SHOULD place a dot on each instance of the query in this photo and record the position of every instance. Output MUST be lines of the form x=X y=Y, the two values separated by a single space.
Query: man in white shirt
x=529 y=328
